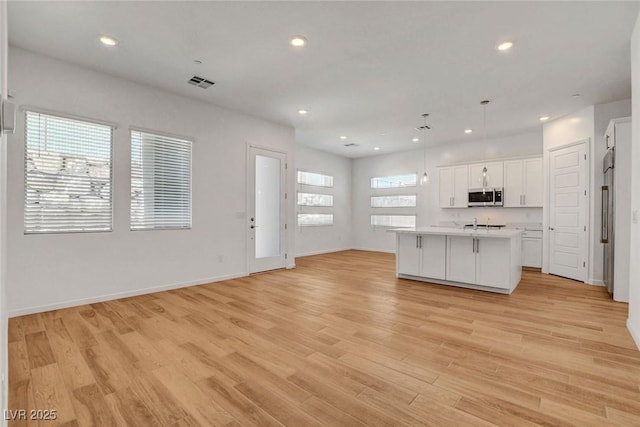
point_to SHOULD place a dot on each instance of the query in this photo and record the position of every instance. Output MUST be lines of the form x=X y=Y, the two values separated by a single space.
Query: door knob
x=253 y=226
x=551 y=228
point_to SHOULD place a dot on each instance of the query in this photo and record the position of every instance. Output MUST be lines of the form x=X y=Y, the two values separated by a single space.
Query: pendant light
x=484 y=125
x=425 y=176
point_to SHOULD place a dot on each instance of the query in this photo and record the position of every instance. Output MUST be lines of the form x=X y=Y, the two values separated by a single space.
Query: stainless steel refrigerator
x=607 y=236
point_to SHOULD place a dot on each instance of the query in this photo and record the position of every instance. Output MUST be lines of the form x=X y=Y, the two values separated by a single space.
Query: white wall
x=4 y=359
x=633 y=323
x=49 y=271
x=315 y=240
x=428 y=210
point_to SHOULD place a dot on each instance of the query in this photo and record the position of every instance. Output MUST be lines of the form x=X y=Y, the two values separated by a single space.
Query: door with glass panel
x=267 y=214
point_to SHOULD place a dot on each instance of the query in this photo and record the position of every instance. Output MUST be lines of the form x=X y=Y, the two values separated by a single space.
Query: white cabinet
x=531 y=250
x=491 y=178
x=490 y=256
x=479 y=261
x=523 y=183
x=452 y=186
x=461 y=259
x=421 y=255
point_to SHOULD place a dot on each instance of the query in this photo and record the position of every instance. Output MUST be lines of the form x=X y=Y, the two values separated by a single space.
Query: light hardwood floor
x=337 y=341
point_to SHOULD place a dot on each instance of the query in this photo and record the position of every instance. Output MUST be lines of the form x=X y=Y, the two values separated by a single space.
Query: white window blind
x=393 y=220
x=68 y=175
x=394 y=181
x=316 y=179
x=396 y=201
x=306 y=220
x=310 y=199
x=160 y=182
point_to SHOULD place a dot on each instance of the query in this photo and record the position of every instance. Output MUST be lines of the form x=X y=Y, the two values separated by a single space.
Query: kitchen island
x=483 y=259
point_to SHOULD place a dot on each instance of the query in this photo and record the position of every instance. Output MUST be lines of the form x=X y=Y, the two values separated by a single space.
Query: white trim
x=546 y=217
x=249 y=173
x=634 y=334
x=108 y=297
x=39 y=110
x=374 y=250
x=326 y=251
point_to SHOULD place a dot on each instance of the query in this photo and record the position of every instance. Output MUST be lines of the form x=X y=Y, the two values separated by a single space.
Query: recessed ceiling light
x=505 y=45
x=468 y=130
x=544 y=118
x=108 y=41
x=303 y=112
x=298 y=41
x=343 y=137
x=376 y=148
x=415 y=139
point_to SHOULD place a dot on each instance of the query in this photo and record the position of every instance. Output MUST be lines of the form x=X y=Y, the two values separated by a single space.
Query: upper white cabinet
x=492 y=177
x=452 y=186
x=523 y=182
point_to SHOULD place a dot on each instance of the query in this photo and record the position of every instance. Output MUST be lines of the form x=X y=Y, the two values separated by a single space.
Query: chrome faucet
x=475 y=223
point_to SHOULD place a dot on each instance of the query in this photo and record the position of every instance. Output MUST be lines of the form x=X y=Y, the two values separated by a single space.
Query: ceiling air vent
x=351 y=144
x=200 y=82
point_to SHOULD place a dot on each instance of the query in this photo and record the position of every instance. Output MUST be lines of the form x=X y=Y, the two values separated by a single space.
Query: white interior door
x=568 y=245
x=267 y=214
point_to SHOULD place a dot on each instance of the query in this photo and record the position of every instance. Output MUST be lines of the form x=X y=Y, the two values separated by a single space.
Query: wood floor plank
x=339 y=340
x=39 y=349
x=50 y=393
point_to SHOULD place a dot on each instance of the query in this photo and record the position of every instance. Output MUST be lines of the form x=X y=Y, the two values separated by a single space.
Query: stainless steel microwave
x=485 y=197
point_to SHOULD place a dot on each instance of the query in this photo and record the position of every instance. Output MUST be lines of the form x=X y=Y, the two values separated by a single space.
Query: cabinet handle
x=477 y=245
x=420 y=242
x=474 y=245
x=524 y=199
x=417 y=244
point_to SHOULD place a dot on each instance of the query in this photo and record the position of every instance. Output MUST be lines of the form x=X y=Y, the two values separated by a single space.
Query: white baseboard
x=108 y=297
x=634 y=334
x=326 y=251
x=374 y=250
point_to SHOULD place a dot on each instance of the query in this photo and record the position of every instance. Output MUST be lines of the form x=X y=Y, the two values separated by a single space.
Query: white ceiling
x=370 y=69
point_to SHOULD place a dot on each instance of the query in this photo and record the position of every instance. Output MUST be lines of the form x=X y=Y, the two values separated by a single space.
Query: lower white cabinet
x=421 y=255
x=532 y=249
x=488 y=260
x=479 y=261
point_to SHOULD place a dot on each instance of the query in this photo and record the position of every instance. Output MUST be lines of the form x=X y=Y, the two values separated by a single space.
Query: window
x=394 y=181
x=160 y=182
x=315 y=219
x=398 y=201
x=309 y=199
x=391 y=205
x=68 y=175
x=316 y=179
x=314 y=208
x=393 y=220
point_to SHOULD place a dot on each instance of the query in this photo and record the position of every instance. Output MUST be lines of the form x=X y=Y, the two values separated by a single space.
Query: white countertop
x=505 y=233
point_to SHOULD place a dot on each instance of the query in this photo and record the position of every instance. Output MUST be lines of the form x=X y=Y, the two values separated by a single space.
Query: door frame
x=546 y=217
x=248 y=202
